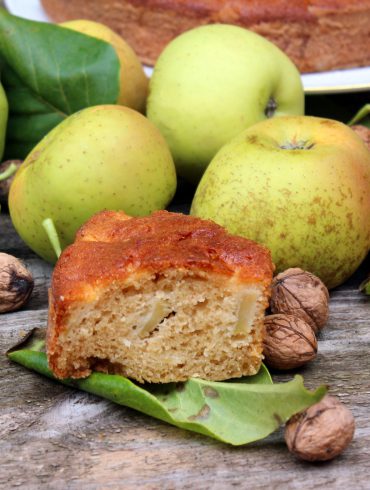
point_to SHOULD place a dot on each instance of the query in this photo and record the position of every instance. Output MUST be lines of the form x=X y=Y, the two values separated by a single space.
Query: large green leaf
x=233 y=412
x=48 y=73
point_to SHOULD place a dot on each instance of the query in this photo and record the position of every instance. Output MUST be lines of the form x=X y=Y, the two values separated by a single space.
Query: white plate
x=353 y=80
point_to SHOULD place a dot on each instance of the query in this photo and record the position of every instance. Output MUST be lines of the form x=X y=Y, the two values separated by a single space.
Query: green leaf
x=233 y=412
x=362 y=116
x=48 y=73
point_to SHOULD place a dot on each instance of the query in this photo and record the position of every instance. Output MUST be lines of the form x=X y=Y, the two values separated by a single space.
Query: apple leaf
x=236 y=412
x=362 y=116
x=48 y=73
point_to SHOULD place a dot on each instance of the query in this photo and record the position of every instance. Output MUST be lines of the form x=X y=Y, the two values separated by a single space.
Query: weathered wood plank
x=55 y=437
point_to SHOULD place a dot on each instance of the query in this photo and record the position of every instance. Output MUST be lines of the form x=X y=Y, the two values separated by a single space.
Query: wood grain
x=55 y=437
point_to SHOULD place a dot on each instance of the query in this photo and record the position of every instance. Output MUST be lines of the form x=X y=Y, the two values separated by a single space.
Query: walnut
x=289 y=342
x=300 y=293
x=321 y=432
x=363 y=132
x=9 y=166
x=16 y=283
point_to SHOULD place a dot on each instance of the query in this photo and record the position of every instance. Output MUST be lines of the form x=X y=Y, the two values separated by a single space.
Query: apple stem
x=52 y=234
x=8 y=172
x=270 y=107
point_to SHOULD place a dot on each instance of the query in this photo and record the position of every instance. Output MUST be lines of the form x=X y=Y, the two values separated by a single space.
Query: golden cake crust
x=316 y=34
x=111 y=246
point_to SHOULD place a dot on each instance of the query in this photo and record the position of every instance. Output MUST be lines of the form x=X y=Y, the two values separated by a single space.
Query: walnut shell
x=289 y=342
x=300 y=293
x=363 y=132
x=16 y=283
x=5 y=184
x=321 y=432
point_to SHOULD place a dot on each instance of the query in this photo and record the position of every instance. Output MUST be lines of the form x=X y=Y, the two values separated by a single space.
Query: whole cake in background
x=318 y=35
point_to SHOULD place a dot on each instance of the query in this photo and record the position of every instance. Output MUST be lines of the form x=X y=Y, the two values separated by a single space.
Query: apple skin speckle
x=104 y=157
x=322 y=224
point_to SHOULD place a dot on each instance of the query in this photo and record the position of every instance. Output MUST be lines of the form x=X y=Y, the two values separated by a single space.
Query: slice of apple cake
x=160 y=298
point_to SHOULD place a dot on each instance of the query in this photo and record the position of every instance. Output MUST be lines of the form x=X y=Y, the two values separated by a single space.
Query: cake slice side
x=165 y=327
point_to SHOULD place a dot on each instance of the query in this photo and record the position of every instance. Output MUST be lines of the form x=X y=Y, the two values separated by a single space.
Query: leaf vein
x=58 y=78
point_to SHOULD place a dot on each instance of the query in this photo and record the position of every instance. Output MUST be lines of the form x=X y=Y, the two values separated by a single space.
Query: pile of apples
x=225 y=112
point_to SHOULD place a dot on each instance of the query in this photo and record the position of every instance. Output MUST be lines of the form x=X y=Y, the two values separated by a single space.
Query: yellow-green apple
x=3 y=122
x=211 y=83
x=301 y=186
x=133 y=81
x=3 y=119
x=103 y=157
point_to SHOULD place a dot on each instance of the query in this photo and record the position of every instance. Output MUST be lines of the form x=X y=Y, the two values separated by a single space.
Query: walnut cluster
x=300 y=307
x=16 y=283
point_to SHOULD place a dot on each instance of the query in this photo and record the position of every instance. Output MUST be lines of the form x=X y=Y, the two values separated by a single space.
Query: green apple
x=3 y=119
x=103 y=157
x=211 y=83
x=4 y=175
x=301 y=186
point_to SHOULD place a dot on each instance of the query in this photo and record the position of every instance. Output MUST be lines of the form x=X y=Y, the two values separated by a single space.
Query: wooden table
x=57 y=438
